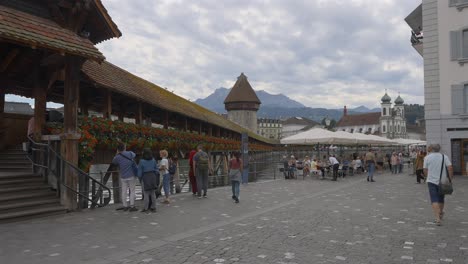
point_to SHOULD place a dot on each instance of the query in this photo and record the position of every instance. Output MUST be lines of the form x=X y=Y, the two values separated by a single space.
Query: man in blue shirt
x=124 y=160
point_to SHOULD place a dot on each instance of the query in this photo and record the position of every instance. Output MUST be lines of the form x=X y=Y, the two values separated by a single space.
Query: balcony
x=417 y=42
x=414 y=20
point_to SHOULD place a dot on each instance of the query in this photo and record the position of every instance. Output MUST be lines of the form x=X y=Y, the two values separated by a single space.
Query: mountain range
x=279 y=106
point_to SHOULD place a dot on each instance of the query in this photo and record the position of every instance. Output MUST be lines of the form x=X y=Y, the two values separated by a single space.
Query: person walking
x=164 y=171
x=125 y=161
x=148 y=172
x=418 y=165
x=235 y=174
x=336 y=165
x=201 y=167
x=370 y=164
x=306 y=169
x=438 y=168
x=193 y=180
x=394 y=163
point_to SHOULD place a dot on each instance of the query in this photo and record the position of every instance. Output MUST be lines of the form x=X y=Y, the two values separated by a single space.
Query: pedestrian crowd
x=157 y=176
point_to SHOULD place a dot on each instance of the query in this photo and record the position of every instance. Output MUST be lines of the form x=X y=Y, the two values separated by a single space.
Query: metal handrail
x=96 y=194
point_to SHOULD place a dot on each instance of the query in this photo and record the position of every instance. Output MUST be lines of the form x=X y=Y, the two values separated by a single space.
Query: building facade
x=445 y=52
x=390 y=122
x=242 y=104
x=269 y=128
x=295 y=125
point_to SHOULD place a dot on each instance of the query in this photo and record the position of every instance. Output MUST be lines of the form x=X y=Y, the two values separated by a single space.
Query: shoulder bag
x=445 y=188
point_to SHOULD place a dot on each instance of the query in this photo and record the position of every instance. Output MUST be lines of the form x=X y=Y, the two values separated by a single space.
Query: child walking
x=235 y=173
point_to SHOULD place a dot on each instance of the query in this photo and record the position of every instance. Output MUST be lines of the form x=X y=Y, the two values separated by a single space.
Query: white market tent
x=323 y=136
x=317 y=136
x=406 y=141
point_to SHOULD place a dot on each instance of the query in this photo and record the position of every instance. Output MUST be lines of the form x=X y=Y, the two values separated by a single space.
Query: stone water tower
x=242 y=104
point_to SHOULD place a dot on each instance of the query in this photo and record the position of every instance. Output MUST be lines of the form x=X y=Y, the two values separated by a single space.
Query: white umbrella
x=316 y=136
x=407 y=141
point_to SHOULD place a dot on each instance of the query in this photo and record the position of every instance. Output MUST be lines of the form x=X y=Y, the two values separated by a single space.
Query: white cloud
x=321 y=53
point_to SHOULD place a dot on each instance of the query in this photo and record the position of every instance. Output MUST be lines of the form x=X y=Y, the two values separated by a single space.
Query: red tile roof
x=359 y=120
x=120 y=81
x=29 y=30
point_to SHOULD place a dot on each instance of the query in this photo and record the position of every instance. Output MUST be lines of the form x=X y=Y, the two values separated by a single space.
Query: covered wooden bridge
x=47 y=51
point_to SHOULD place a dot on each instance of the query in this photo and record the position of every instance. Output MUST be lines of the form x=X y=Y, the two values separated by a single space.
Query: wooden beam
x=122 y=110
x=83 y=103
x=70 y=138
x=107 y=107
x=139 y=114
x=210 y=130
x=40 y=101
x=8 y=59
x=2 y=121
x=166 y=119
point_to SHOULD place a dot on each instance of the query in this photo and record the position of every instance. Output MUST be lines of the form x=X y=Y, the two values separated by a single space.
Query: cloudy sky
x=322 y=53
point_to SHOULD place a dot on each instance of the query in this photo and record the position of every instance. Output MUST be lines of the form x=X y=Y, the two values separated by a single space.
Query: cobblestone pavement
x=284 y=222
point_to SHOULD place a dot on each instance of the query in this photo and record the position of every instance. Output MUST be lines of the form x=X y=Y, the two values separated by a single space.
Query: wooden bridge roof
x=29 y=30
x=120 y=81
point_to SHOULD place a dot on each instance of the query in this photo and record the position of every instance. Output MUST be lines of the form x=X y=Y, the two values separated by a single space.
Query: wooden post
x=107 y=107
x=166 y=120
x=218 y=132
x=200 y=128
x=210 y=130
x=40 y=101
x=139 y=114
x=186 y=124
x=123 y=109
x=70 y=137
x=2 y=121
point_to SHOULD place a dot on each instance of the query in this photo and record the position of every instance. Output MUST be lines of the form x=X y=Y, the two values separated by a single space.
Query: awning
x=414 y=20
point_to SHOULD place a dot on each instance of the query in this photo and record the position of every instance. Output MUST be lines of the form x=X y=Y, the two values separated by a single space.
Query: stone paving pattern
x=284 y=222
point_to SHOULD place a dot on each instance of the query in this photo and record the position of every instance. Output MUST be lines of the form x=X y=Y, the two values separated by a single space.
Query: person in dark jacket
x=148 y=172
x=193 y=180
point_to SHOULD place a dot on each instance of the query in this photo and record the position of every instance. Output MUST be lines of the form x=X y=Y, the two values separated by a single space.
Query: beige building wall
x=245 y=118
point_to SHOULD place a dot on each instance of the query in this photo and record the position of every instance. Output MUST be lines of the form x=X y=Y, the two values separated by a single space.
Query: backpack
x=172 y=167
x=202 y=162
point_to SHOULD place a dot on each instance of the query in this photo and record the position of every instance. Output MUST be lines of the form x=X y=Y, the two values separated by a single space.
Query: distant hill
x=279 y=106
x=215 y=101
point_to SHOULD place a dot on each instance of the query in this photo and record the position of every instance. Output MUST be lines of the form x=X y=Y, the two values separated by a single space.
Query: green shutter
x=455 y=45
x=458 y=102
x=453 y=2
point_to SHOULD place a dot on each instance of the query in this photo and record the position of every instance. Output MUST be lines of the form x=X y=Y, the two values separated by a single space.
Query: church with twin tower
x=242 y=104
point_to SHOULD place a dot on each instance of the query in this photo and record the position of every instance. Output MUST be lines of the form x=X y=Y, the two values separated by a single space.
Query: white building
x=445 y=51
x=295 y=125
x=269 y=128
x=390 y=122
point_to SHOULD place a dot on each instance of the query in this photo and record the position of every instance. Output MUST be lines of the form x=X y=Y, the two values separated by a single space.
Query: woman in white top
x=163 y=170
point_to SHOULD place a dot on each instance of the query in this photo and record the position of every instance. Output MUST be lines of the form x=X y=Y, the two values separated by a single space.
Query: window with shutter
x=465 y=101
x=459 y=4
x=458 y=99
x=455 y=41
x=465 y=43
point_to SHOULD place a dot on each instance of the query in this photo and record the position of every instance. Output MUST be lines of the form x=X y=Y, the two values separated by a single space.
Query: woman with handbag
x=439 y=172
x=235 y=174
x=149 y=175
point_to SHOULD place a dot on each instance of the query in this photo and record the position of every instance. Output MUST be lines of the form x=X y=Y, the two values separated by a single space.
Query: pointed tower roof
x=242 y=92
